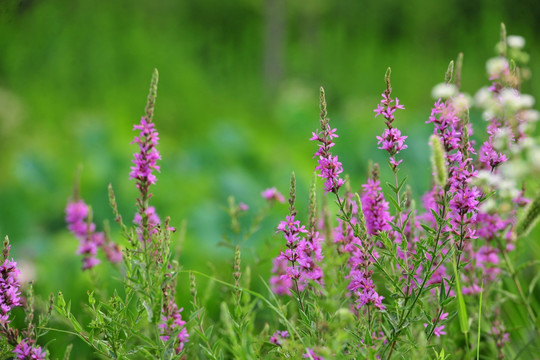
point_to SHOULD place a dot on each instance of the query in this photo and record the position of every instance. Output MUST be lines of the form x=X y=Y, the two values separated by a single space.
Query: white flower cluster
x=503 y=104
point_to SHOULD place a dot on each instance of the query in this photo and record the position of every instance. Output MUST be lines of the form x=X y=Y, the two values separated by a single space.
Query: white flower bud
x=510 y=98
x=496 y=66
x=501 y=138
x=530 y=115
x=515 y=41
x=483 y=98
x=488 y=205
x=488 y=114
x=444 y=91
x=527 y=101
x=461 y=103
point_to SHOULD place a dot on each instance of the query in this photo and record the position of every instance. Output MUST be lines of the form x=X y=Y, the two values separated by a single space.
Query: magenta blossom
x=25 y=350
x=328 y=165
x=391 y=139
x=271 y=194
x=9 y=289
x=278 y=336
x=174 y=323
x=439 y=330
x=90 y=240
x=310 y=354
x=145 y=159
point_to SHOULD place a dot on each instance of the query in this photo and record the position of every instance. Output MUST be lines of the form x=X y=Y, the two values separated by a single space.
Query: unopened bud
x=438 y=161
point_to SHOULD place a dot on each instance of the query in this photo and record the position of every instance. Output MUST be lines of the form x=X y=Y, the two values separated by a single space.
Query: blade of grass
x=462 y=310
x=479 y=322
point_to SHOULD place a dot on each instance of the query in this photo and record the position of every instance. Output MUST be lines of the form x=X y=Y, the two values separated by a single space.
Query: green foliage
x=68 y=78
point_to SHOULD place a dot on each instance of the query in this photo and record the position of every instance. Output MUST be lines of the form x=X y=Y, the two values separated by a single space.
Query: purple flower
x=112 y=252
x=153 y=222
x=439 y=330
x=26 y=350
x=145 y=159
x=243 y=207
x=271 y=194
x=298 y=263
x=446 y=124
x=280 y=283
x=9 y=288
x=386 y=109
x=171 y=322
x=489 y=157
x=375 y=207
x=391 y=139
x=329 y=167
x=363 y=287
x=90 y=240
x=278 y=336
x=310 y=354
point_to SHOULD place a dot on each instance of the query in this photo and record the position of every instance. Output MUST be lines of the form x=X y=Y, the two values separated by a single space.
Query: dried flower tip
x=313 y=204
x=449 y=72
x=375 y=171
x=361 y=218
x=192 y=285
x=152 y=94
x=237 y=265
x=387 y=79
x=501 y=46
x=322 y=106
x=438 y=163
x=292 y=194
x=459 y=66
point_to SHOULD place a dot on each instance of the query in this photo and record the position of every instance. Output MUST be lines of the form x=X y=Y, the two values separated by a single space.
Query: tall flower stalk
x=145 y=162
x=328 y=165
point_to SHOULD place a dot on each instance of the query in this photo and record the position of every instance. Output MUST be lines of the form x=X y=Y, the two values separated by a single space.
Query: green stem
x=424 y=280
x=522 y=296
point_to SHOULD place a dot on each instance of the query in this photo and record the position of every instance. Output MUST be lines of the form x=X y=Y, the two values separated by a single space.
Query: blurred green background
x=237 y=101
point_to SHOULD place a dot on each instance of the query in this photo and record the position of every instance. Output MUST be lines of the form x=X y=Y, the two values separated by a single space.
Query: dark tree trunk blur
x=274 y=42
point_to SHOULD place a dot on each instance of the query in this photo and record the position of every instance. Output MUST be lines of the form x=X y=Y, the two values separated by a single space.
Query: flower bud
x=438 y=161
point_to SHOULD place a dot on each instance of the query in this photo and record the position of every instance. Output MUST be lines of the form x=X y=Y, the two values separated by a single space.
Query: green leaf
x=402 y=182
x=394 y=189
x=396 y=205
x=479 y=322
x=442 y=292
x=462 y=309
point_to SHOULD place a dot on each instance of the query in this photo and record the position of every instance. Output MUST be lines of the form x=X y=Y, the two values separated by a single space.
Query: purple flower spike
x=171 y=323
x=391 y=139
x=77 y=213
x=25 y=350
x=9 y=289
x=329 y=167
x=90 y=240
x=145 y=159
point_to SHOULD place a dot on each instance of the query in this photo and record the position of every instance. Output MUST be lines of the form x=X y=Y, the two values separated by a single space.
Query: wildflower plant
x=374 y=277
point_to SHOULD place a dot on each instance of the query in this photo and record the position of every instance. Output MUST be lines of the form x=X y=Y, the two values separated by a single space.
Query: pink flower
x=271 y=194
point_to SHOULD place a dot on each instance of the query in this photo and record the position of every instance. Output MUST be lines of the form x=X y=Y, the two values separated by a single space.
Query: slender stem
x=426 y=276
x=522 y=296
x=452 y=279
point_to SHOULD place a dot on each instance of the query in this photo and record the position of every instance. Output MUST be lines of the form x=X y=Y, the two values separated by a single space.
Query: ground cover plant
x=367 y=274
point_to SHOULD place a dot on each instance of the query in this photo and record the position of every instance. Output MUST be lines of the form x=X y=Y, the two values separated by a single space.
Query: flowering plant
x=376 y=277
